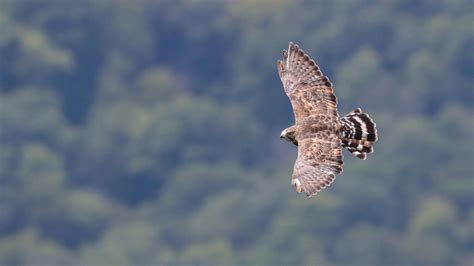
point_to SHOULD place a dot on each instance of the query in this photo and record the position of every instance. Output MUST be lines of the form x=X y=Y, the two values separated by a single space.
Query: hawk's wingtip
x=291 y=45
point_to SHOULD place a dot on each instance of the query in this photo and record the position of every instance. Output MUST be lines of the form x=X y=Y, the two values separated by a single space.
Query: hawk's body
x=318 y=132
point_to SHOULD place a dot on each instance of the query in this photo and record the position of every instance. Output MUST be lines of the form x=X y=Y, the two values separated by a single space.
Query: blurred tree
x=27 y=248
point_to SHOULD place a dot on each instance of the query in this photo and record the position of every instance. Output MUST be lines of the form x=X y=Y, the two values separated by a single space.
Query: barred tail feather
x=358 y=133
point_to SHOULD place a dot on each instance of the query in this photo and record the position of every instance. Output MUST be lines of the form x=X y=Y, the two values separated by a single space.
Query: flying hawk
x=318 y=132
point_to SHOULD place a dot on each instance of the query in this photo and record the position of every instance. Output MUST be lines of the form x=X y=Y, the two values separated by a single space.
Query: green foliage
x=146 y=133
x=27 y=248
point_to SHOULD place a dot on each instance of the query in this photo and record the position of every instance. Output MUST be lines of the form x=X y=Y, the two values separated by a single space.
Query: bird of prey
x=318 y=132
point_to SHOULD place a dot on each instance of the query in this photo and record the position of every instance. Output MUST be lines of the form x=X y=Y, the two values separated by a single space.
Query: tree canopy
x=146 y=133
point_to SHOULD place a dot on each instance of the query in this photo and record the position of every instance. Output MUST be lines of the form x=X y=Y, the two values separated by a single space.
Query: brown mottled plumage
x=318 y=132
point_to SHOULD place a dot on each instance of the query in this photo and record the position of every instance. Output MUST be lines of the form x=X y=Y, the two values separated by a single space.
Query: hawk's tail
x=358 y=133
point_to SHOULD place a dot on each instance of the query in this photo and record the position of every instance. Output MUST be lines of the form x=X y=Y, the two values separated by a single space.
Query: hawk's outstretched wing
x=317 y=165
x=317 y=121
x=310 y=92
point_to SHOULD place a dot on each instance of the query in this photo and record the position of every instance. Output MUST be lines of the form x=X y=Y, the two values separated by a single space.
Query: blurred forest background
x=147 y=133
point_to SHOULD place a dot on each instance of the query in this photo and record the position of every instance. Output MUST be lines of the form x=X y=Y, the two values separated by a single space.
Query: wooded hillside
x=147 y=133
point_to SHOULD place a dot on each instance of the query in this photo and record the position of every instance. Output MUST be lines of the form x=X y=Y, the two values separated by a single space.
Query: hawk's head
x=288 y=134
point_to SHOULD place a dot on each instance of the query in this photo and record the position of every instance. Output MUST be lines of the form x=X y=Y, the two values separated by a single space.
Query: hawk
x=318 y=132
